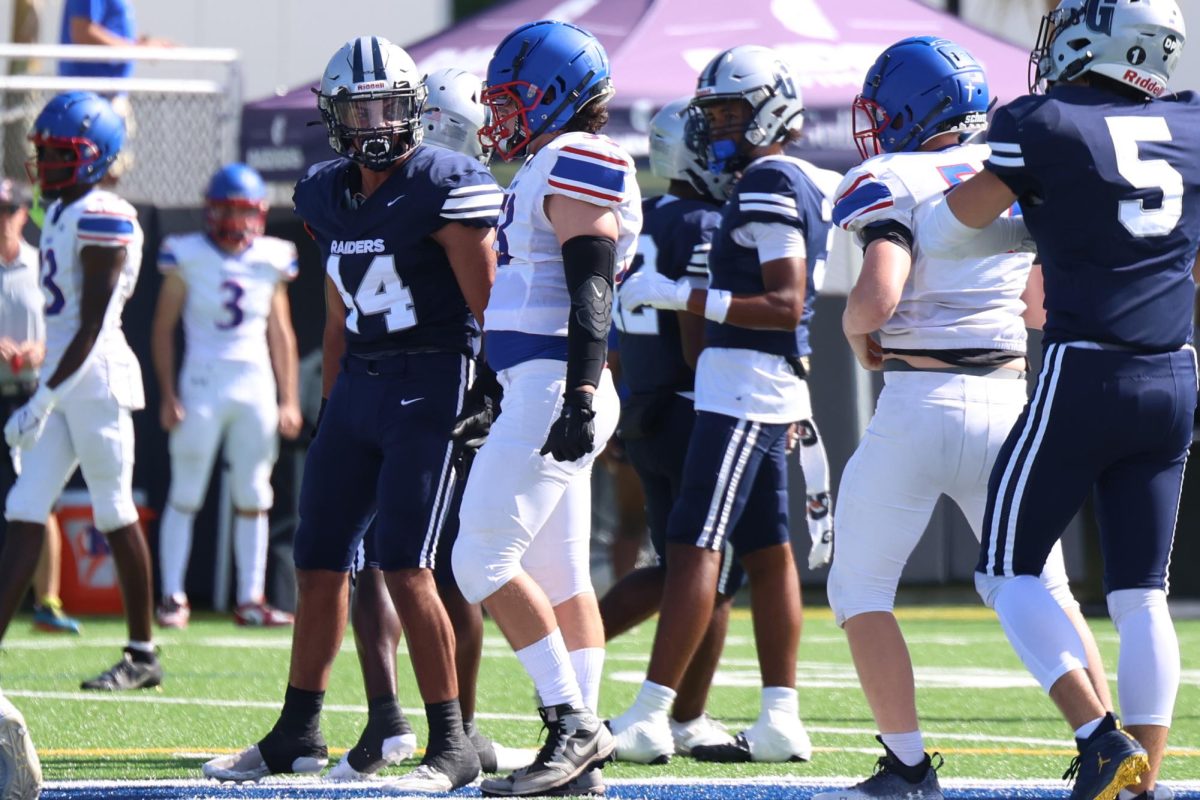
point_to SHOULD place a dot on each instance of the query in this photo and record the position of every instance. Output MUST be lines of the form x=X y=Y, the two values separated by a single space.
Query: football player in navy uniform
x=406 y=232
x=658 y=358
x=749 y=389
x=571 y=219
x=451 y=118
x=1106 y=166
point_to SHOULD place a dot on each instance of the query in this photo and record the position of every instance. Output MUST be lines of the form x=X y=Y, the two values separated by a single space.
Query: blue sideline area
x=619 y=789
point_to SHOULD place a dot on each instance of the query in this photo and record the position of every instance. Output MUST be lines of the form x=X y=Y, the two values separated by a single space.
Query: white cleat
x=641 y=739
x=775 y=738
x=699 y=732
x=249 y=765
x=395 y=750
x=20 y=770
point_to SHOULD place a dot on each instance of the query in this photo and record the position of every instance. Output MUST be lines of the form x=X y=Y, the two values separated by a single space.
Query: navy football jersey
x=676 y=239
x=774 y=189
x=397 y=284
x=1110 y=188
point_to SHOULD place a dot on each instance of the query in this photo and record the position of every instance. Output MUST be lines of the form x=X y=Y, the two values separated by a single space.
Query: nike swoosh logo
x=395 y=200
x=410 y=402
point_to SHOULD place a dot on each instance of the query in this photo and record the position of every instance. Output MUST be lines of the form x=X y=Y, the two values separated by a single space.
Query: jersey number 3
x=1154 y=173
x=379 y=292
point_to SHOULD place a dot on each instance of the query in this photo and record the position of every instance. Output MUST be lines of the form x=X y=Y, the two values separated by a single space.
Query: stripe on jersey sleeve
x=100 y=229
x=1006 y=154
x=769 y=202
x=167 y=262
x=595 y=175
x=698 y=261
x=864 y=197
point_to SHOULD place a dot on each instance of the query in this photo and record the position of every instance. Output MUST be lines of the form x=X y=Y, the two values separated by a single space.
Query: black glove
x=312 y=434
x=481 y=406
x=573 y=434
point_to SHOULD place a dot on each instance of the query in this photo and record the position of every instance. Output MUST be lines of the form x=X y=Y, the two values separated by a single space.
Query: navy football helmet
x=540 y=76
x=370 y=99
x=76 y=138
x=235 y=206
x=918 y=88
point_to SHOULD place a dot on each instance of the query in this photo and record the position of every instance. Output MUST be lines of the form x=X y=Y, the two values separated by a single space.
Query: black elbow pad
x=894 y=232
x=589 y=265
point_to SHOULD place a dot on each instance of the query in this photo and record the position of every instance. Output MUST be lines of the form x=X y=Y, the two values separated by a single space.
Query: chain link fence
x=179 y=129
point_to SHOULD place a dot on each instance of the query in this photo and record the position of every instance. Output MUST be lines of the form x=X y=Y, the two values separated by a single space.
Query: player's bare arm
x=101 y=273
x=333 y=340
x=473 y=261
x=171 y=297
x=285 y=362
x=980 y=199
x=874 y=298
x=778 y=308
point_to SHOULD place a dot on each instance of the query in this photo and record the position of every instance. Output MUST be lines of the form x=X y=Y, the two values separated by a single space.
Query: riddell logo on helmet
x=1147 y=84
x=362 y=87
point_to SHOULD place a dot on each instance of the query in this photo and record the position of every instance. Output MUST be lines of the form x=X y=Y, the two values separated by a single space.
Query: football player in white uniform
x=229 y=285
x=951 y=341
x=750 y=387
x=81 y=414
x=569 y=223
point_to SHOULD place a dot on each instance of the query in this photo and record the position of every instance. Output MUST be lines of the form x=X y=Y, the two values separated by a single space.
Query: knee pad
x=188 y=488
x=854 y=593
x=561 y=583
x=988 y=586
x=252 y=492
x=482 y=566
x=24 y=505
x=112 y=512
x=1125 y=602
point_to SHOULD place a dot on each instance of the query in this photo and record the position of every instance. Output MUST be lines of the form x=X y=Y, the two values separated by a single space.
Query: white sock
x=1039 y=630
x=780 y=698
x=908 y=747
x=1125 y=794
x=1088 y=728
x=588 y=663
x=174 y=548
x=250 y=554
x=653 y=698
x=141 y=647
x=1148 y=668
x=549 y=664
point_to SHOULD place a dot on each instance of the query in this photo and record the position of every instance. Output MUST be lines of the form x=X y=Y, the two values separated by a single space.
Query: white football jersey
x=972 y=302
x=228 y=296
x=530 y=294
x=98 y=219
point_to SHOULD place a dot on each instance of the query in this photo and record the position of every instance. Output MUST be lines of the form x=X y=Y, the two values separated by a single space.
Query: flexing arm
x=473 y=260
x=171 y=297
x=333 y=341
x=281 y=341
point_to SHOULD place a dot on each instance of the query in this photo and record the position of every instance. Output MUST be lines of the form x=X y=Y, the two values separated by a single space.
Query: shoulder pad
x=871 y=193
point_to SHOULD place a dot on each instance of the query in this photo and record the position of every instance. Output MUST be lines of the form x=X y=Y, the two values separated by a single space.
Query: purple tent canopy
x=657 y=47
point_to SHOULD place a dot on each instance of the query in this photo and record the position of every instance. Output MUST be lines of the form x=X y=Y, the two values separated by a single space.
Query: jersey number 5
x=1154 y=173
x=379 y=292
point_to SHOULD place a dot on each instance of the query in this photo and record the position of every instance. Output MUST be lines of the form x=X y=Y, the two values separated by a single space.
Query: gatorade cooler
x=89 y=576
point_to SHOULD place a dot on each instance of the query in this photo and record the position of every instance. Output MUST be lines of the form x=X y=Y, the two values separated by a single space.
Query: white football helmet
x=1133 y=42
x=453 y=113
x=760 y=77
x=370 y=99
x=672 y=155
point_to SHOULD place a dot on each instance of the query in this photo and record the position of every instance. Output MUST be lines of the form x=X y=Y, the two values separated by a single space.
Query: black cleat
x=128 y=673
x=576 y=742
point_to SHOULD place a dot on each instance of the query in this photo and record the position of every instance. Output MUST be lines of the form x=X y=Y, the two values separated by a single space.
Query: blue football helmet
x=235 y=206
x=540 y=76
x=918 y=88
x=82 y=124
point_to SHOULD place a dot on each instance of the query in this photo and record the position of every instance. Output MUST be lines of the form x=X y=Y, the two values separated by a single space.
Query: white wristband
x=716 y=304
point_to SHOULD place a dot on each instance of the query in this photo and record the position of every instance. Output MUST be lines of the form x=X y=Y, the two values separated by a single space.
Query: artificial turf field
x=997 y=731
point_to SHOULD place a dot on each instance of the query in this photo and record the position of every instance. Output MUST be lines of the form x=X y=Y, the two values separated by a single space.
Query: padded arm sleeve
x=589 y=263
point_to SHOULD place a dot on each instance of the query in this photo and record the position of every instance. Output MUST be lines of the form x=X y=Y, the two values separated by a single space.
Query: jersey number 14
x=379 y=292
